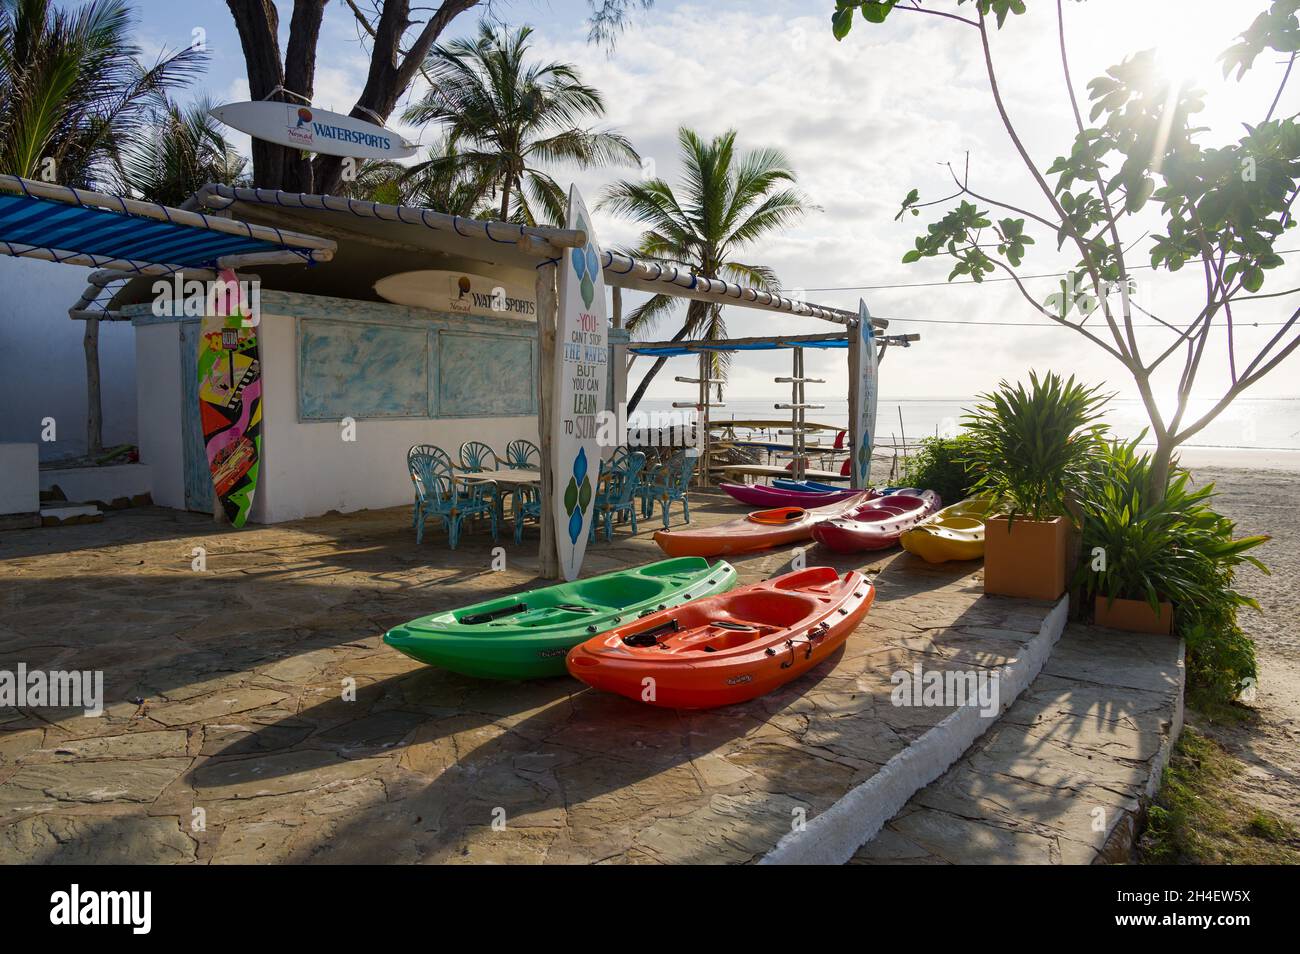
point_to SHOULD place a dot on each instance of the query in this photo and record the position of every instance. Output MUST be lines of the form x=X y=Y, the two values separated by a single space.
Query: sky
x=862 y=122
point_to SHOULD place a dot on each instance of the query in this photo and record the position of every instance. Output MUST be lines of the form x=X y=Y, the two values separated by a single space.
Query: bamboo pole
x=216 y=196
x=548 y=558
x=627 y=272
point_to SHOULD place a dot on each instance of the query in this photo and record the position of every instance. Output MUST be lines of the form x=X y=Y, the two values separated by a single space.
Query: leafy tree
x=504 y=115
x=728 y=202
x=400 y=36
x=1222 y=207
x=73 y=89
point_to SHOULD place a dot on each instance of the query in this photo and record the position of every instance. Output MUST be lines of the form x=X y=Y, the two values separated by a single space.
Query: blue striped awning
x=31 y=220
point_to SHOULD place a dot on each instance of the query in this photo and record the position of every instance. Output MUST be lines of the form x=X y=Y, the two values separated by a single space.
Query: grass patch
x=1196 y=818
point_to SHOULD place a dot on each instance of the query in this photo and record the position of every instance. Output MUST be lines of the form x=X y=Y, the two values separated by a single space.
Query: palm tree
x=729 y=202
x=181 y=151
x=503 y=114
x=73 y=90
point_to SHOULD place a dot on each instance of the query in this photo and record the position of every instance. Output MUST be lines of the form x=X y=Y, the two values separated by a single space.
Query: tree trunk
x=94 y=408
x=505 y=201
x=1161 y=463
x=391 y=73
x=392 y=70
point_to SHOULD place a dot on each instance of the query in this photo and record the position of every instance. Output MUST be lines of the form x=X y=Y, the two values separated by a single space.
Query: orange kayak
x=759 y=530
x=727 y=648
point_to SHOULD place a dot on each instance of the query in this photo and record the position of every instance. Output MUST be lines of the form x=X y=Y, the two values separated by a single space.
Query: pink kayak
x=877 y=524
x=765 y=495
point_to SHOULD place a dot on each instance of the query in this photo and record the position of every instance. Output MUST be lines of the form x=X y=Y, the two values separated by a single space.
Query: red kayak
x=765 y=495
x=877 y=524
x=728 y=648
x=756 y=531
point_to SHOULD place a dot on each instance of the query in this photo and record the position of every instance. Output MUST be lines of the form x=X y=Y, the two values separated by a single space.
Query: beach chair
x=670 y=483
x=620 y=493
x=437 y=496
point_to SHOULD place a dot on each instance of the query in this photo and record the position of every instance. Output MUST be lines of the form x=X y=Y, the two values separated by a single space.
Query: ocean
x=1249 y=424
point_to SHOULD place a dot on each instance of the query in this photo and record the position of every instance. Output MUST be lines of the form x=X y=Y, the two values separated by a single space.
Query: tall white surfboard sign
x=864 y=415
x=581 y=367
x=314 y=130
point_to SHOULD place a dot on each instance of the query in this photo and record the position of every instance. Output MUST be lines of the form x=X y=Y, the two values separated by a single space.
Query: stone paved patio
x=1060 y=778
x=224 y=694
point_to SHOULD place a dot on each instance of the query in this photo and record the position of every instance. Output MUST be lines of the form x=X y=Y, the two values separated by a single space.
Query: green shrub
x=1175 y=548
x=1035 y=448
x=940 y=465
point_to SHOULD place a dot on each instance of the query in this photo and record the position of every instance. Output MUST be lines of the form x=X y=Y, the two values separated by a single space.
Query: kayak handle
x=650 y=637
x=475 y=618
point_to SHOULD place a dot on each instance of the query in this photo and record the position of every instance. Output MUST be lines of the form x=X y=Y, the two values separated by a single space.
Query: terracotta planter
x=1133 y=616
x=1025 y=558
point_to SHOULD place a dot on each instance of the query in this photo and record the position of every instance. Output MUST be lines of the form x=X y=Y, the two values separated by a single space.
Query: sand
x=1264 y=501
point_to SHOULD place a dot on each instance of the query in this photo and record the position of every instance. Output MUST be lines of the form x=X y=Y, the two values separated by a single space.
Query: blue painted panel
x=351 y=369
x=198 y=477
x=483 y=375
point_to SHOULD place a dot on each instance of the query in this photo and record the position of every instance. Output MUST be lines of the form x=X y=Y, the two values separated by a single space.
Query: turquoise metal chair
x=523 y=455
x=431 y=450
x=476 y=457
x=619 y=495
x=670 y=482
x=437 y=496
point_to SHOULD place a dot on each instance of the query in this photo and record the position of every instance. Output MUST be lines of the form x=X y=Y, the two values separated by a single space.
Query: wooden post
x=617 y=317
x=800 y=417
x=94 y=406
x=548 y=559
x=702 y=475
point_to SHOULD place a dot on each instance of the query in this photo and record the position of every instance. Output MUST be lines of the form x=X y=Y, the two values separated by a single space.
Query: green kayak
x=527 y=635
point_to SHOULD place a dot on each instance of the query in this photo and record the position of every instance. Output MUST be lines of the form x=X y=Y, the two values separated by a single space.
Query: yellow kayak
x=954 y=533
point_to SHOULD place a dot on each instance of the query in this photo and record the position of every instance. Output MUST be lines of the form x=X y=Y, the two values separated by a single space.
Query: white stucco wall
x=308 y=469
x=44 y=362
x=158 y=397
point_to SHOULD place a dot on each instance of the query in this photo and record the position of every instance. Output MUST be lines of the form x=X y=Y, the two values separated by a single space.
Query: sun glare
x=1187 y=40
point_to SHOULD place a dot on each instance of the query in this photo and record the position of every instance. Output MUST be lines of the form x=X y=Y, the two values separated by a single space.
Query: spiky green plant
x=73 y=90
x=1036 y=448
x=1174 y=548
x=182 y=151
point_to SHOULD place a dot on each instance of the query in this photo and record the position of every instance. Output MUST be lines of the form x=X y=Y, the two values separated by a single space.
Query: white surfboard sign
x=863 y=416
x=460 y=293
x=581 y=367
x=314 y=130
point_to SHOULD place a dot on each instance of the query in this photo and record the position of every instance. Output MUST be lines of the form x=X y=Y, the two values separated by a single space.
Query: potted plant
x=1035 y=450
x=1144 y=554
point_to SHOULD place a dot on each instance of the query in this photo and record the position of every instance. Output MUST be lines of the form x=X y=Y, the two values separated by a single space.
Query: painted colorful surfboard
x=230 y=397
x=581 y=367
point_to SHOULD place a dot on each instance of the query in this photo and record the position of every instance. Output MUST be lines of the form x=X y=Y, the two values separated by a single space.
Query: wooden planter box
x=1025 y=558
x=1133 y=616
